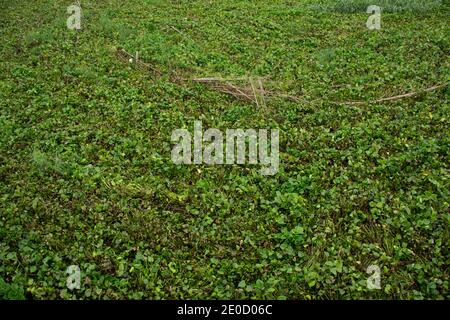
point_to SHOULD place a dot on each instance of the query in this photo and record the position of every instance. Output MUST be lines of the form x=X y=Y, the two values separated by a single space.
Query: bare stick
x=240 y=91
x=261 y=88
x=254 y=91
x=398 y=97
x=126 y=56
x=212 y=79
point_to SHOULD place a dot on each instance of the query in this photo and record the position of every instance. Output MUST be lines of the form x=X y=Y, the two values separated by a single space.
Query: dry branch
x=398 y=97
x=247 y=90
x=125 y=56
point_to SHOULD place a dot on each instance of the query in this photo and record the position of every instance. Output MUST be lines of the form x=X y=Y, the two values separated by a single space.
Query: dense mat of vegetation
x=86 y=176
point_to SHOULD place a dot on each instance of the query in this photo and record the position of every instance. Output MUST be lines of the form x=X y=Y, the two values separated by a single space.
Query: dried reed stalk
x=125 y=56
x=398 y=97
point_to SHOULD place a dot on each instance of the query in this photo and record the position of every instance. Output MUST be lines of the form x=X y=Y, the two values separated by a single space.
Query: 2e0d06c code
x=246 y=309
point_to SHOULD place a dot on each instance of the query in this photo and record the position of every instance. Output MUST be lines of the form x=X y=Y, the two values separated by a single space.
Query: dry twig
x=398 y=97
x=125 y=56
x=247 y=90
